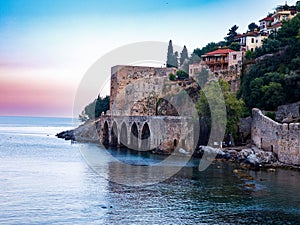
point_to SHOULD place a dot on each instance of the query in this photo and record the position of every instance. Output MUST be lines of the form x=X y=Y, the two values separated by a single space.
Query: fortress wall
x=283 y=139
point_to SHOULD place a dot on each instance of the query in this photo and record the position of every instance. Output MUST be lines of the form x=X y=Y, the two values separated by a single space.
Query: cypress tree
x=183 y=55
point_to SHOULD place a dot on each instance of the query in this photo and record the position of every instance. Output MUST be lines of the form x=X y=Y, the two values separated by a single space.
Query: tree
x=183 y=56
x=194 y=58
x=231 y=34
x=172 y=58
x=250 y=55
x=252 y=26
x=272 y=95
x=208 y=48
x=274 y=78
x=95 y=109
x=235 y=46
x=298 y=6
x=170 y=55
x=181 y=75
x=175 y=59
x=172 y=77
x=234 y=106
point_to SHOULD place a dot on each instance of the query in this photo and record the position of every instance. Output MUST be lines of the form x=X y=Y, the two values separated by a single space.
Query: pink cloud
x=36 y=98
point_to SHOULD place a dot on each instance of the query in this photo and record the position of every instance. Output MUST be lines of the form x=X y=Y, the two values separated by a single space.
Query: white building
x=251 y=40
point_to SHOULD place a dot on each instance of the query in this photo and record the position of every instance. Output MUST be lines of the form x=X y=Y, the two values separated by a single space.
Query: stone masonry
x=148 y=111
x=282 y=139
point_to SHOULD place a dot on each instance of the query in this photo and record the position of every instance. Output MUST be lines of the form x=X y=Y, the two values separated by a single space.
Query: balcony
x=215 y=62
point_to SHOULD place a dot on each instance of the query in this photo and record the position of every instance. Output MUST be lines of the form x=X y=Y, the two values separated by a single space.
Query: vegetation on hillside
x=95 y=109
x=234 y=106
x=274 y=78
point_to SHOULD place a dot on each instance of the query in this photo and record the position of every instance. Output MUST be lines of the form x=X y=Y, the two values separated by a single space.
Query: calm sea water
x=45 y=180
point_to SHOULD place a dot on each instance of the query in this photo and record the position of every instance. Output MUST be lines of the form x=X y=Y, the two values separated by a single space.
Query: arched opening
x=134 y=134
x=145 y=146
x=123 y=136
x=114 y=135
x=175 y=143
x=165 y=108
x=105 y=134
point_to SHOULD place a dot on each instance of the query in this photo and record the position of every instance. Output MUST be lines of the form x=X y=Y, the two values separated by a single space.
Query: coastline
x=248 y=157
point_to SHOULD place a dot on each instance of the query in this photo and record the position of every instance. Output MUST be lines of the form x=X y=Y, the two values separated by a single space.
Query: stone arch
x=146 y=137
x=123 y=135
x=134 y=137
x=114 y=135
x=165 y=108
x=105 y=134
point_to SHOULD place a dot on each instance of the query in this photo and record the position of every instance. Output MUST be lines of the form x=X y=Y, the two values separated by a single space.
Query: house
x=265 y=24
x=222 y=59
x=282 y=13
x=195 y=69
x=251 y=40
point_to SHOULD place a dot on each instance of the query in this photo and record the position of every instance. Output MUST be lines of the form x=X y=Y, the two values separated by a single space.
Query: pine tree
x=183 y=55
x=170 y=55
x=231 y=34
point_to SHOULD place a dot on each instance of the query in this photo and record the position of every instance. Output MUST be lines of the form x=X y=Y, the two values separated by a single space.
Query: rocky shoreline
x=248 y=157
x=84 y=133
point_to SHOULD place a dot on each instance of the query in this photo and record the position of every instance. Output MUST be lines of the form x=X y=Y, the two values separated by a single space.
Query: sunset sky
x=46 y=46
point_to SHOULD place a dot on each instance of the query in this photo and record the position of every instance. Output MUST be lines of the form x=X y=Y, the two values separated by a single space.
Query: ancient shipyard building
x=148 y=111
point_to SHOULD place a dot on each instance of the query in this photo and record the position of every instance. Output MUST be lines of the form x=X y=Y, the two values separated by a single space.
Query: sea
x=46 y=180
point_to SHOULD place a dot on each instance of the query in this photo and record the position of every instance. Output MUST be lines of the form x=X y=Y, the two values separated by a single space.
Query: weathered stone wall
x=288 y=112
x=282 y=139
x=148 y=111
x=132 y=84
x=166 y=132
x=137 y=91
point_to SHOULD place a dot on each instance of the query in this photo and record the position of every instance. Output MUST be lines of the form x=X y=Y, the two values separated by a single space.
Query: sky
x=47 y=46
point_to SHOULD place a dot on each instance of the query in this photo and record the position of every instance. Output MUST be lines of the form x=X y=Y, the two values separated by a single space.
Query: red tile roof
x=268 y=18
x=275 y=25
x=248 y=34
x=219 y=51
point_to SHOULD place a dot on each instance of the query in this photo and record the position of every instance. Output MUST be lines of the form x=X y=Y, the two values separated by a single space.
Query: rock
x=212 y=151
x=253 y=160
x=286 y=113
x=67 y=135
x=84 y=133
x=182 y=151
x=232 y=152
x=245 y=153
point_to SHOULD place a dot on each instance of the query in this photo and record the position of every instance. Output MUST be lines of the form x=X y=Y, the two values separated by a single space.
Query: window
x=234 y=57
x=252 y=50
x=252 y=40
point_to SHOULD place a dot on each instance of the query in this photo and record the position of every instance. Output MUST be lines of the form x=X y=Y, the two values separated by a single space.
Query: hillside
x=271 y=75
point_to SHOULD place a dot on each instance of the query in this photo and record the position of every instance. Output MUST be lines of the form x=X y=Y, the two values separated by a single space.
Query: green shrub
x=172 y=77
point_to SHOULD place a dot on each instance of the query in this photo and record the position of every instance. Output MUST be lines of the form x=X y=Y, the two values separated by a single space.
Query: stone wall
x=137 y=91
x=130 y=84
x=288 y=112
x=167 y=133
x=282 y=139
